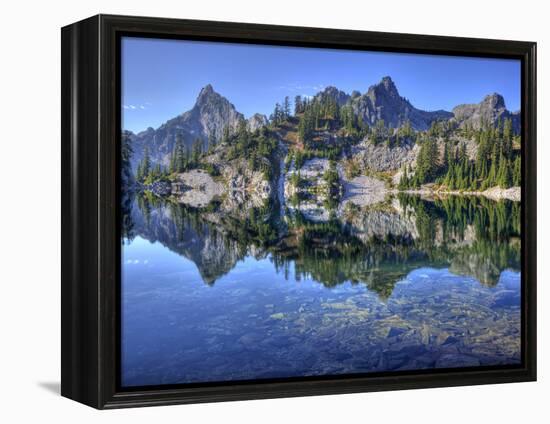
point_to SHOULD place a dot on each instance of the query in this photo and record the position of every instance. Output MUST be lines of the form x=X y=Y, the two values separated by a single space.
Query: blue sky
x=162 y=78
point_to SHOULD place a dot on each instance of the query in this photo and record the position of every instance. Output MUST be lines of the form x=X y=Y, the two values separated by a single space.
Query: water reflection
x=215 y=295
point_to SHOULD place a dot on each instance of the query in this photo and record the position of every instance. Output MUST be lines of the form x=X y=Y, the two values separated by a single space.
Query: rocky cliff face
x=382 y=101
x=383 y=158
x=205 y=121
x=331 y=92
x=490 y=110
x=256 y=121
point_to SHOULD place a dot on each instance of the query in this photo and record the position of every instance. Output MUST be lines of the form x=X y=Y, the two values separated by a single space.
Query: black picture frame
x=90 y=266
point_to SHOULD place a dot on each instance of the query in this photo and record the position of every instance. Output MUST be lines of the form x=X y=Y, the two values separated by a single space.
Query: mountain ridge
x=490 y=110
x=212 y=114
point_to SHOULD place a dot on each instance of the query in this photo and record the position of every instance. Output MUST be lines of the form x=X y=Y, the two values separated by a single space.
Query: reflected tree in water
x=376 y=247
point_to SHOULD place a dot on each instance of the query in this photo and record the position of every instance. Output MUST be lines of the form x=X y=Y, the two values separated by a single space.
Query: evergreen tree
x=286 y=108
x=491 y=179
x=139 y=172
x=182 y=159
x=498 y=129
x=450 y=177
x=306 y=126
x=277 y=115
x=472 y=182
x=517 y=172
x=172 y=165
x=446 y=155
x=427 y=161
x=459 y=176
x=178 y=162
x=298 y=106
x=196 y=152
x=156 y=172
x=507 y=138
x=126 y=153
x=145 y=164
x=404 y=180
x=483 y=153
x=407 y=129
x=462 y=156
x=504 y=179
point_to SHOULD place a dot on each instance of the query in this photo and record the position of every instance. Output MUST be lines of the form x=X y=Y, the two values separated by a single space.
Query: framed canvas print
x=256 y=211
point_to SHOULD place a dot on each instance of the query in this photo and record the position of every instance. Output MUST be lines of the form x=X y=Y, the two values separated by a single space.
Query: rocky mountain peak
x=382 y=102
x=208 y=95
x=388 y=83
x=207 y=89
x=206 y=121
x=495 y=101
x=489 y=111
x=211 y=114
x=386 y=87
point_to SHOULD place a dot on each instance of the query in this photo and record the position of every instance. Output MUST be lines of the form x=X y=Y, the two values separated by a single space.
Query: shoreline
x=197 y=187
x=494 y=193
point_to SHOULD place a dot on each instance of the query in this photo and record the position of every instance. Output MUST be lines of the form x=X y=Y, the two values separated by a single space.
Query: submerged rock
x=456 y=360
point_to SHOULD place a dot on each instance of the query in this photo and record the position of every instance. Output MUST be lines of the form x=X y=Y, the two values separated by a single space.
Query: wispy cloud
x=295 y=87
x=136 y=261
x=137 y=107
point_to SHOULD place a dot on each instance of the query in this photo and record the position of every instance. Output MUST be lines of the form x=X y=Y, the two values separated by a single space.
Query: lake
x=407 y=284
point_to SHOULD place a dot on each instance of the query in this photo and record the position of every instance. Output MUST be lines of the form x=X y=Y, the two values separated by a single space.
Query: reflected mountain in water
x=376 y=246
